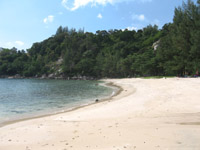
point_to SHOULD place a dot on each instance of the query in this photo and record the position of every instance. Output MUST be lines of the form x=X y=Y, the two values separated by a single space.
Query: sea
x=28 y=98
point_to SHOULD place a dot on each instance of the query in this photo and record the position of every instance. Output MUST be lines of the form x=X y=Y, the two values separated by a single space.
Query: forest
x=173 y=50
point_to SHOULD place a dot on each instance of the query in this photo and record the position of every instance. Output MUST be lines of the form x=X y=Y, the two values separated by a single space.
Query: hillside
x=173 y=50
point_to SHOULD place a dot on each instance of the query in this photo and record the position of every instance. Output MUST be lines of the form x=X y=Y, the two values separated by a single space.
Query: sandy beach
x=149 y=114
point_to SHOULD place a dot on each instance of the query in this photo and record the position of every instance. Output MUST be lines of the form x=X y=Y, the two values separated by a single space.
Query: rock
x=17 y=76
x=51 y=76
x=44 y=76
x=59 y=61
x=155 y=45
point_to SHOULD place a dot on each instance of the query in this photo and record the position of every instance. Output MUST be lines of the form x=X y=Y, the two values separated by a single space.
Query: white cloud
x=64 y=3
x=131 y=28
x=75 y=4
x=48 y=19
x=140 y=17
x=100 y=16
x=19 y=43
x=12 y=44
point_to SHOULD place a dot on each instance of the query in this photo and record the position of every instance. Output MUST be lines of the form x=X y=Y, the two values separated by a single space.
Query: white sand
x=160 y=114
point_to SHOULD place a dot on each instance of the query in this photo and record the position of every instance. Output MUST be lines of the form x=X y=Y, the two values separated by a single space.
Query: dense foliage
x=179 y=50
x=173 y=50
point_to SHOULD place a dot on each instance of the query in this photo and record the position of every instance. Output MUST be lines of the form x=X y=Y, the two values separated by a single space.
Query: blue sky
x=24 y=22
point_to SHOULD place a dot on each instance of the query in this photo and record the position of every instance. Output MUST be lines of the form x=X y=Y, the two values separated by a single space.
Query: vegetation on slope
x=173 y=50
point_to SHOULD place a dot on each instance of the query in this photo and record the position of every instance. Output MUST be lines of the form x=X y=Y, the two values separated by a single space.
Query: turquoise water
x=22 y=98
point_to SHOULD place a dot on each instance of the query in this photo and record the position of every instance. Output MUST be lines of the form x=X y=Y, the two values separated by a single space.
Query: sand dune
x=160 y=114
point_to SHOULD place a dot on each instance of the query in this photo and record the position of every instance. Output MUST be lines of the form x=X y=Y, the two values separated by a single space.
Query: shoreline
x=109 y=84
x=148 y=114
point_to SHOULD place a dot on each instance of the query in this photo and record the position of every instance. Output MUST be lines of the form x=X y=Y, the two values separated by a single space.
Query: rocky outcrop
x=155 y=45
x=17 y=76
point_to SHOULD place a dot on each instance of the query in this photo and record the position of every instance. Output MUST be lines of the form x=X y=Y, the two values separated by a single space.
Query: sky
x=24 y=22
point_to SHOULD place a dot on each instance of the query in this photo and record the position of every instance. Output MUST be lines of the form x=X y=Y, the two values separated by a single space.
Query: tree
x=179 y=49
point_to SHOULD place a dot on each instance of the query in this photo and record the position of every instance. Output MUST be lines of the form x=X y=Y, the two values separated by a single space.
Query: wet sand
x=160 y=114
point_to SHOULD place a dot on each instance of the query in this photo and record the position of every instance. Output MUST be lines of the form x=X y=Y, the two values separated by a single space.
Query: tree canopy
x=172 y=50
